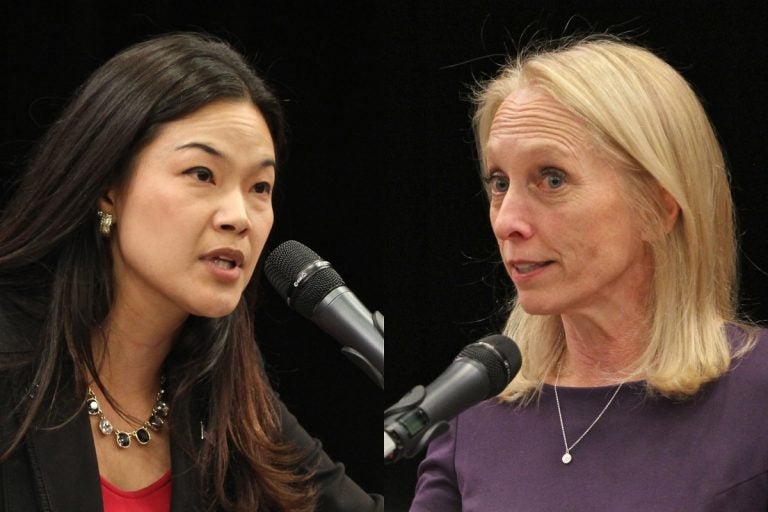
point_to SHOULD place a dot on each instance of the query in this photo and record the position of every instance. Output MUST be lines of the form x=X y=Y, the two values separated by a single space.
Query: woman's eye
x=497 y=184
x=201 y=174
x=262 y=187
x=553 y=178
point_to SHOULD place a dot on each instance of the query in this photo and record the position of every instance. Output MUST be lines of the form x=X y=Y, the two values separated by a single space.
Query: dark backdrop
x=381 y=178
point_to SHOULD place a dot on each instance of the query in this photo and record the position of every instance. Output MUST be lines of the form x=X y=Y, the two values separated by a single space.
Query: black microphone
x=313 y=288
x=483 y=369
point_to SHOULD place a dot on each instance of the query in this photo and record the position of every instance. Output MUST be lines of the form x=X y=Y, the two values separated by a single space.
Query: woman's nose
x=232 y=213
x=512 y=218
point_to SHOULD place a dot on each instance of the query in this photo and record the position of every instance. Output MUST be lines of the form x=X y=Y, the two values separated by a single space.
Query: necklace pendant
x=93 y=406
x=123 y=439
x=567 y=458
x=105 y=427
x=155 y=422
x=142 y=435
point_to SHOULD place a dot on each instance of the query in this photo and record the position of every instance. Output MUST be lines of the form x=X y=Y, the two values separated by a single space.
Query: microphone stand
x=361 y=361
x=404 y=422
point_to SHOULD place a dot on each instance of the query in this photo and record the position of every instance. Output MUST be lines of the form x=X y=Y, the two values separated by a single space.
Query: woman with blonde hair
x=640 y=389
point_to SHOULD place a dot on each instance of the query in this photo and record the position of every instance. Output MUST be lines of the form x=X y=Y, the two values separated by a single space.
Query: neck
x=601 y=350
x=130 y=351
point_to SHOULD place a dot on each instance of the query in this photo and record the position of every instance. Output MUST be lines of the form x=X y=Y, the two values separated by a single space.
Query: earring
x=105 y=223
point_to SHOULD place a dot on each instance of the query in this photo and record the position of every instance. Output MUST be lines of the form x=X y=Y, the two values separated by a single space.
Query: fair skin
x=190 y=225
x=568 y=237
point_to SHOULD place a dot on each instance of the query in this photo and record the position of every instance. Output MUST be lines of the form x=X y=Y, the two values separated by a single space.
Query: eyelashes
x=553 y=177
x=263 y=187
x=205 y=175
x=547 y=179
x=201 y=173
x=496 y=183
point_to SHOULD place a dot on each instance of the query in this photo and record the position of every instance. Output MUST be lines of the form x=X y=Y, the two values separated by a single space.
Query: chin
x=538 y=305
x=216 y=310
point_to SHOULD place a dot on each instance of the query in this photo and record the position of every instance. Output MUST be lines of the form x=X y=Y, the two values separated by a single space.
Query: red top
x=156 y=497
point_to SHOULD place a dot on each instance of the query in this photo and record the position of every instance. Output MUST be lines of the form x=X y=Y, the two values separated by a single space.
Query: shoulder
x=488 y=415
x=750 y=366
x=748 y=342
x=481 y=418
x=492 y=409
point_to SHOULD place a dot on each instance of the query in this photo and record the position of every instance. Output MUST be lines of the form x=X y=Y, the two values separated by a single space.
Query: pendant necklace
x=567 y=457
x=155 y=422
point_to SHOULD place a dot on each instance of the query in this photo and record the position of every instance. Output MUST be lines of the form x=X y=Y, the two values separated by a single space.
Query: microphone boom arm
x=404 y=422
x=369 y=336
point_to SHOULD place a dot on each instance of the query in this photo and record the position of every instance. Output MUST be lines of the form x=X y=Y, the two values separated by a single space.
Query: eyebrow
x=267 y=162
x=205 y=147
x=545 y=147
x=548 y=147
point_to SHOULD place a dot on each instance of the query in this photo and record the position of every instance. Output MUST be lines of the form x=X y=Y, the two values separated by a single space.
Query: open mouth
x=525 y=268
x=224 y=263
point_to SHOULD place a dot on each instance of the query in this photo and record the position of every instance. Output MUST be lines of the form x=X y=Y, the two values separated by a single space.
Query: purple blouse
x=709 y=453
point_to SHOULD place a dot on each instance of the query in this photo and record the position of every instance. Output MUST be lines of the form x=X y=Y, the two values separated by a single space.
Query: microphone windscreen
x=283 y=268
x=499 y=355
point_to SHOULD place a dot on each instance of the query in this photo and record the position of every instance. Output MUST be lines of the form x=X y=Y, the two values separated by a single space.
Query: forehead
x=533 y=119
x=234 y=132
x=225 y=119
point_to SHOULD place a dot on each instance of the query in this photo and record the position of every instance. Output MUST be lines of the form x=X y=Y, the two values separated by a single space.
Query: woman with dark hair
x=131 y=377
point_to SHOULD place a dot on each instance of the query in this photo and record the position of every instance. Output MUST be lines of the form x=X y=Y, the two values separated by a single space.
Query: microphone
x=481 y=370
x=314 y=289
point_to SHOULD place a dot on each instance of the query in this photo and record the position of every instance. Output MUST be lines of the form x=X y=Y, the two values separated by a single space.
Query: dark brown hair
x=50 y=249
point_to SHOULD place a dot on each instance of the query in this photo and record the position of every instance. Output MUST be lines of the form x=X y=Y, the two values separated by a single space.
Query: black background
x=381 y=178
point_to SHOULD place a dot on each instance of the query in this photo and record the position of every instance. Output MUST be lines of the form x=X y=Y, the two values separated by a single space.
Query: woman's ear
x=107 y=201
x=671 y=210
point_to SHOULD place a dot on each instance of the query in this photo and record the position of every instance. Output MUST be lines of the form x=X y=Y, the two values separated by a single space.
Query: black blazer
x=57 y=471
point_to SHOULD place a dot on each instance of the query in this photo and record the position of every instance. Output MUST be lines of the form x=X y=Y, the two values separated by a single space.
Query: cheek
x=148 y=197
x=158 y=217
x=563 y=232
x=594 y=233
x=492 y=214
x=614 y=241
x=261 y=225
x=157 y=228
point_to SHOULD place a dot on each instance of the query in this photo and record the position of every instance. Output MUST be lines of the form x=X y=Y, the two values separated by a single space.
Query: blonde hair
x=646 y=118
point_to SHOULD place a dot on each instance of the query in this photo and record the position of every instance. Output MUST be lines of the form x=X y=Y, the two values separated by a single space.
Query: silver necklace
x=155 y=421
x=567 y=457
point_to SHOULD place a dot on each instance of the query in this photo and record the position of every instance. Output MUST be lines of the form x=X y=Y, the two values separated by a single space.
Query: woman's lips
x=223 y=269
x=225 y=263
x=525 y=268
x=521 y=271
